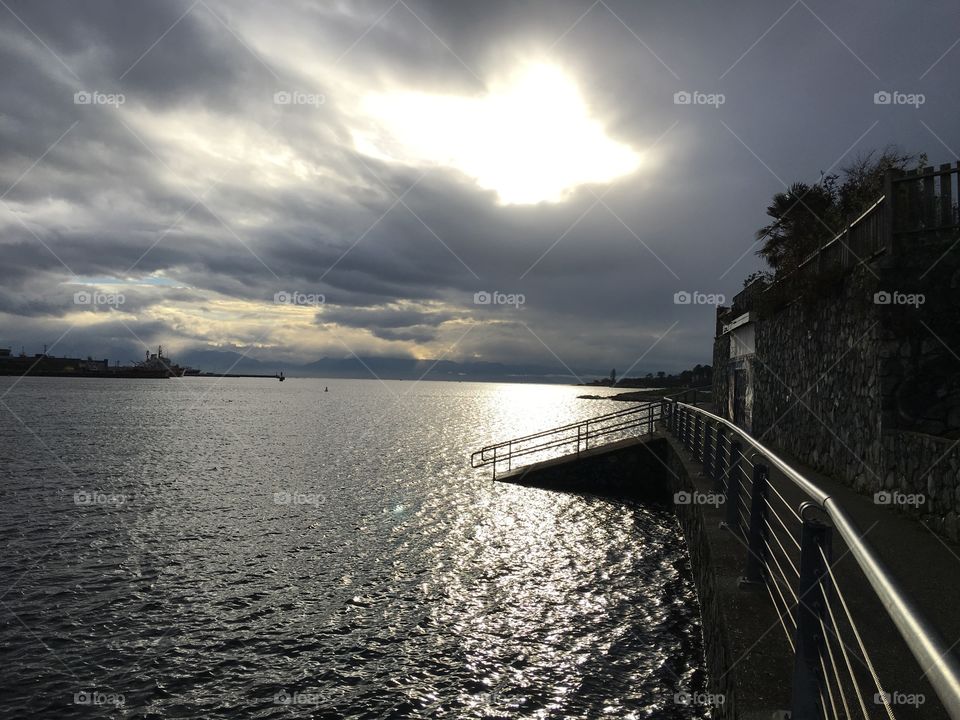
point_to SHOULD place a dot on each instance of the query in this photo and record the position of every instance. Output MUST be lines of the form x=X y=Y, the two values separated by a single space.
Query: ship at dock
x=156 y=365
x=153 y=366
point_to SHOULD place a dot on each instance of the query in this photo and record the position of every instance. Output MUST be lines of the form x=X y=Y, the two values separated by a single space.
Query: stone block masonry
x=857 y=374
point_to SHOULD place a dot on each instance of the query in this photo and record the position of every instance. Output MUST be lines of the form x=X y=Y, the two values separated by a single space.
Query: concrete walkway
x=926 y=566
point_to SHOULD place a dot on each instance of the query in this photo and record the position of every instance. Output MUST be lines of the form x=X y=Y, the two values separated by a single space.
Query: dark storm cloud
x=119 y=196
x=413 y=333
x=104 y=44
x=384 y=317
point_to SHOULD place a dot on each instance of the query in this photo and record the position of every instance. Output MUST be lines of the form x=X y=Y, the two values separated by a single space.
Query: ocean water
x=236 y=548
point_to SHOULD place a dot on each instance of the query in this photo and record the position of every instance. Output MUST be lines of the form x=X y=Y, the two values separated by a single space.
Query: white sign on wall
x=743 y=341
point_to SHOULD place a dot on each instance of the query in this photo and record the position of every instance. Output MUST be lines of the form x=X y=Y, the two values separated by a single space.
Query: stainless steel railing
x=570 y=439
x=789 y=550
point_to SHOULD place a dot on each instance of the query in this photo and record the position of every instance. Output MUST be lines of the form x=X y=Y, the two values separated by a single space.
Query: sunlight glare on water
x=257 y=549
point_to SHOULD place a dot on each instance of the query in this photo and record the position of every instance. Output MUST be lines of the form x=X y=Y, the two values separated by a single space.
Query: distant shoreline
x=633 y=396
x=231 y=375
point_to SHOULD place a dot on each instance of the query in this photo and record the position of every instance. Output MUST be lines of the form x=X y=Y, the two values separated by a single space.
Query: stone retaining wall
x=917 y=464
x=858 y=376
x=816 y=382
x=721 y=680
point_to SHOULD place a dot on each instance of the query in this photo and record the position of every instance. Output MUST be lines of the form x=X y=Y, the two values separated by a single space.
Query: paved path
x=926 y=566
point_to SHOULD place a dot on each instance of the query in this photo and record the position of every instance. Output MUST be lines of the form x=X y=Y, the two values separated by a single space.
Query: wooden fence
x=925 y=201
x=916 y=203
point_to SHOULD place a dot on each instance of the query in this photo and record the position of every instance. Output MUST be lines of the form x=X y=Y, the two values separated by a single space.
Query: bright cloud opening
x=531 y=139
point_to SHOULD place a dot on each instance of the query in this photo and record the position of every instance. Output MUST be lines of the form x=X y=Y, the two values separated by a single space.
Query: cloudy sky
x=305 y=179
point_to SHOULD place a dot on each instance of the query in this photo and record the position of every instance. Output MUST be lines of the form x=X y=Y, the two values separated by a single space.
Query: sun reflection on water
x=409 y=585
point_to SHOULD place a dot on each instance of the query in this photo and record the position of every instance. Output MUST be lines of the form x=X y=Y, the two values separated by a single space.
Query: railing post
x=718 y=460
x=510 y=456
x=586 y=438
x=890 y=211
x=709 y=432
x=733 y=487
x=704 y=440
x=695 y=450
x=807 y=682
x=494 y=462
x=756 y=548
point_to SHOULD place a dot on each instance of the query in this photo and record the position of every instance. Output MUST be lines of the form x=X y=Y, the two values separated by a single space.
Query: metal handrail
x=838 y=238
x=683 y=393
x=845 y=231
x=570 y=426
x=815 y=493
x=924 y=641
x=644 y=415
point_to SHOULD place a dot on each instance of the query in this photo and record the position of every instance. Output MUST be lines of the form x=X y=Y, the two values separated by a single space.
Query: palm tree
x=805 y=217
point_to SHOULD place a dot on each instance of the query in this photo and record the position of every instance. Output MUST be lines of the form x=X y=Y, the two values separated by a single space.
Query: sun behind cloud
x=530 y=139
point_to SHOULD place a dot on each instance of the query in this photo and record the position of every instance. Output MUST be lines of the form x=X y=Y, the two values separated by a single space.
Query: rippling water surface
x=246 y=548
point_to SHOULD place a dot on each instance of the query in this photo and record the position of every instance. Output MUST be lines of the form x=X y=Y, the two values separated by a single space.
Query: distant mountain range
x=385 y=368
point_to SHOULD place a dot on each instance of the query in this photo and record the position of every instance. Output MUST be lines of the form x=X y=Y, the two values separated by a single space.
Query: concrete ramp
x=633 y=468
